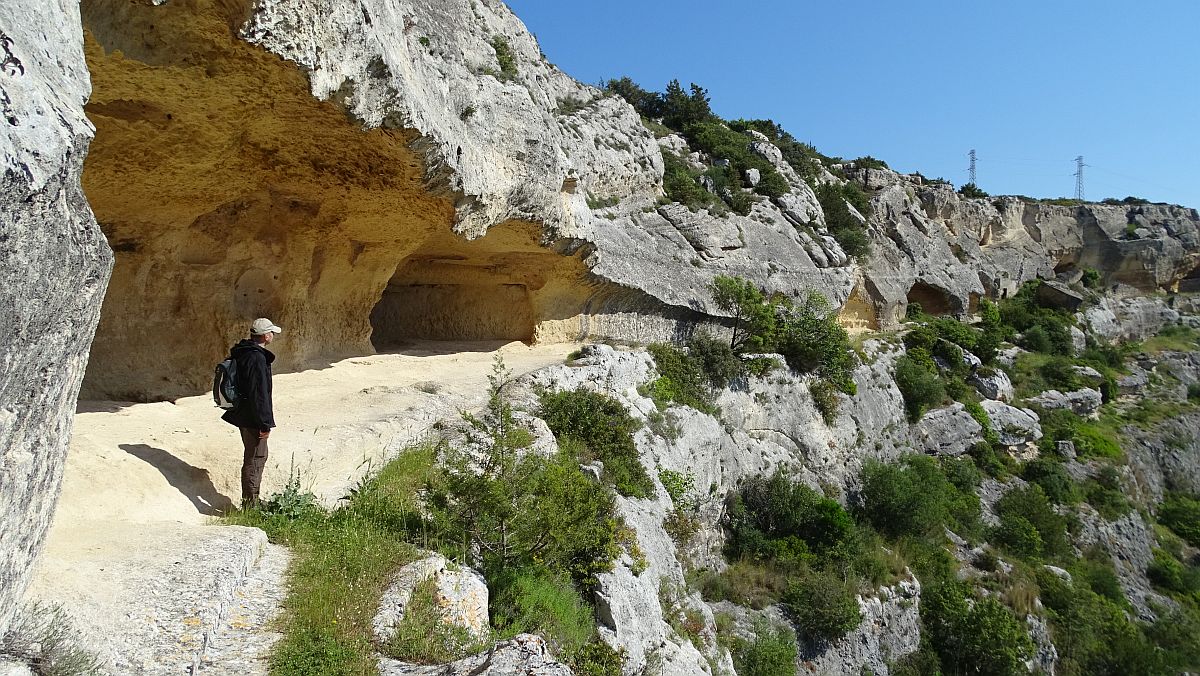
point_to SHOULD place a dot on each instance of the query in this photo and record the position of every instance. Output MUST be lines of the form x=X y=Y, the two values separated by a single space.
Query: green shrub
x=680 y=109
x=773 y=518
x=954 y=331
x=822 y=606
x=681 y=379
x=995 y=465
x=538 y=601
x=1018 y=536
x=825 y=398
x=847 y=229
x=604 y=431
x=1181 y=513
x=715 y=358
x=681 y=184
x=811 y=341
x=505 y=57
x=962 y=472
x=804 y=158
x=914 y=498
x=1091 y=278
x=1059 y=373
x=1024 y=509
x=1106 y=494
x=919 y=385
x=982 y=639
x=1092 y=441
x=971 y=191
x=771 y=653
x=598 y=658
x=1053 y=478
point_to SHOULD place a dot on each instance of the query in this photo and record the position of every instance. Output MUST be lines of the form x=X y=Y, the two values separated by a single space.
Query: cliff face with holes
x=53 y=267
x=366 y=172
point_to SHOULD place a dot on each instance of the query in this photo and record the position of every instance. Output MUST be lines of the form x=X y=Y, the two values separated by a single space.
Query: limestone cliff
x=367 y=172
x=53 y=267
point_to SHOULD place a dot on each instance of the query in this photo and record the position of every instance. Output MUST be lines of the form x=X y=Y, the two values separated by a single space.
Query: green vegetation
x=539 y=531
x=971 y=191
x=804 y=158
x=805 y=332
x=918 y=382
x=1181 y=513
x=1029 y=527
x=342 y=560
x=423 y=638
x=505 y=57
x=808 y=540
x=598 y=427
x=984 y=638
x=918 y=498
x=846 y=228
x=771 y=653
x=682 y=184
x=693 y=378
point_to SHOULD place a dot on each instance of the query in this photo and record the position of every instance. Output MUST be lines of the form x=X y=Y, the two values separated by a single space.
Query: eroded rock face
x=460 y=595
x=522 y=655
x=54 y=264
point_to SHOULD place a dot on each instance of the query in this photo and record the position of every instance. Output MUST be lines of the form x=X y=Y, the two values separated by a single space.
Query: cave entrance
x=1191 y=282
x=450 y=289
x=933 y=300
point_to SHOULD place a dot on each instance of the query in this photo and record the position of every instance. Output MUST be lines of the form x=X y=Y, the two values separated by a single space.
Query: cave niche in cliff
x=1191 y=282
x=497 y=287
x=933 y=300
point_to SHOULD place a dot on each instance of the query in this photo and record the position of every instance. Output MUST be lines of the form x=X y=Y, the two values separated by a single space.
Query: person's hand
x=263 y=434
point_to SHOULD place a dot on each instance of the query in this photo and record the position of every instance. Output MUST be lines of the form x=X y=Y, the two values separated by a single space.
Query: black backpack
x=225 y=391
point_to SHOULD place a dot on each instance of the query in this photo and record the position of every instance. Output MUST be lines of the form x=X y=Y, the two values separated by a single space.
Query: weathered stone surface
x=54 y=265
x=947 y=431
x=1085 y=401
x=13 y=667
x=1130 y=543
x=461 y=596
x=1045 y=653
x=993 y=384
x=185 y=598
x=522 y=655
x=1128 y=318
x=1166 y=455
x=1058 y=295
x=1015 y=426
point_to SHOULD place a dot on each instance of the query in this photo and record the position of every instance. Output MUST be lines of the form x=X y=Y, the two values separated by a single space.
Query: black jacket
x=253 y=408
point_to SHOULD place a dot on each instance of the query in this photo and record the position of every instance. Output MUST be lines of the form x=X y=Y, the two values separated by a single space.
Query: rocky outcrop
x=949 y=431
x=54 y=264
x=522 y=655
x=1015 y=426
x=1084 y=401
x=461 y=597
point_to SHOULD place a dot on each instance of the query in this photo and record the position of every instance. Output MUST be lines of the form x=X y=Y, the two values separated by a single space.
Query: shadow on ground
x=193 y=482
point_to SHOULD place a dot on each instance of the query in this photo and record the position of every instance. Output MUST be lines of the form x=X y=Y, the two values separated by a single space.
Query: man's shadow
x=193 y=482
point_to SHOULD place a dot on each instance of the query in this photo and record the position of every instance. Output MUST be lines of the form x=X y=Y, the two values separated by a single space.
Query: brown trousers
x=254 y=459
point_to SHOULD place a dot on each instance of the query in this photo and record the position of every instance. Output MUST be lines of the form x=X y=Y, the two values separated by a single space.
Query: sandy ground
x=140 y=474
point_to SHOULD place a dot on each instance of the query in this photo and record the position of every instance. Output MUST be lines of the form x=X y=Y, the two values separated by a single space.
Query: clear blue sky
x=1028 y=84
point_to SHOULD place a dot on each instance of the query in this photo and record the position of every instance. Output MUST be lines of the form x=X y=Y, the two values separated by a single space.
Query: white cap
x=263 y=325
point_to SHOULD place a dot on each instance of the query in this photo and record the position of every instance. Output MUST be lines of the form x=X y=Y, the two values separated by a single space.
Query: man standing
x=252 y=412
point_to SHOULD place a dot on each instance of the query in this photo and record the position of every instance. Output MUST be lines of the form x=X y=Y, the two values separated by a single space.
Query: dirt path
x=143 y=480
